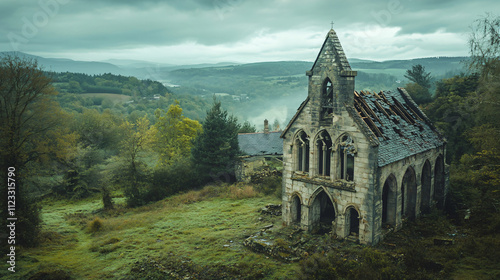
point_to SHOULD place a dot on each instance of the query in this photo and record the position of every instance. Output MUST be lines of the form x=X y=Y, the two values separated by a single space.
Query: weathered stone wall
x=398 y=170
x=249 y=165
x=358 y=194
x=246 y=166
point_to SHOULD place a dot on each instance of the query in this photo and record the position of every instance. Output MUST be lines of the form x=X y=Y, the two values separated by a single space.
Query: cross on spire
x=331 y=24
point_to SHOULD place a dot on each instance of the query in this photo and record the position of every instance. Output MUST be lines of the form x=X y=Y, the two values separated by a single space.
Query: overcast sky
x=209 y=31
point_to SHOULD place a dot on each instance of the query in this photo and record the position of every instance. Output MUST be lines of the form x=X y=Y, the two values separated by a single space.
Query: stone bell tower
x=331 y=81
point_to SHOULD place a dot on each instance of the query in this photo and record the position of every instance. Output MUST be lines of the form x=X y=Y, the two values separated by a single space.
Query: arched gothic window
x=302 y=152
x=346 y=158
x=324 y=148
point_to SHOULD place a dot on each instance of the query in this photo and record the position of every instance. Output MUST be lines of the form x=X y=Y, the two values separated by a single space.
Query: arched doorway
x=389 y=201
x=352 y=222
x=323 y=212
x=409 y=185
x=296 y=209
x=426 y=182
x=439 y=182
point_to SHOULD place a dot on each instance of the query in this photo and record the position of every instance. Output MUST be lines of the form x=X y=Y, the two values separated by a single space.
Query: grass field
x=200 y=235
x=205 y=228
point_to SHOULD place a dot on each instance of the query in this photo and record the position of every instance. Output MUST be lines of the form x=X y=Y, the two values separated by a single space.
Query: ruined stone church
x=358 y=163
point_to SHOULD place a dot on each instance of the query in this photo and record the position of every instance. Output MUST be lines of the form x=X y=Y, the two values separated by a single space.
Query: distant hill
x=262 y=69
x=436 y=65
x=160 y=71
x=68 y=65
x=253 y=91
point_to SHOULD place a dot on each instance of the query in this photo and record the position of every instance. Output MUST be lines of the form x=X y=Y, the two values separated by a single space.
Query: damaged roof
x=257 y=144
x=400 y=126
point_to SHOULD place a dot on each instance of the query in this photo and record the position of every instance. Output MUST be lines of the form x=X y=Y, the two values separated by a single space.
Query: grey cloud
x=97 y=25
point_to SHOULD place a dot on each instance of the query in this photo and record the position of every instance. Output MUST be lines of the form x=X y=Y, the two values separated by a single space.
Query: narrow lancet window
x=324 y=148
x=346 y=157
x=302 y=144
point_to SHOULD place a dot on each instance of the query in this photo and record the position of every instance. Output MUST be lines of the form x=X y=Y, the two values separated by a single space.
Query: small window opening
x=327 y=99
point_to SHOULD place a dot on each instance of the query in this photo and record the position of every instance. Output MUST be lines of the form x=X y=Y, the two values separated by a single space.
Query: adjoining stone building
x=261 y=149
x=358 y=163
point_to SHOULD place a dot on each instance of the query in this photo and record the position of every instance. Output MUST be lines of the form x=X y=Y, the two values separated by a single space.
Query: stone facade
x=358 y=163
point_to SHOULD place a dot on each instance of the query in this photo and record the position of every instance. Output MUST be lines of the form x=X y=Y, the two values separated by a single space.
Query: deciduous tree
x=132 y=173
x=32 y=135
x=418 y=93
x=174 y=134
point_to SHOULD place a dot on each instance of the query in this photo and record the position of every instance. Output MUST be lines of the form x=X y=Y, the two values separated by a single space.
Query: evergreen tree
x=216 y=148
x=418 y=75
x=247 y=127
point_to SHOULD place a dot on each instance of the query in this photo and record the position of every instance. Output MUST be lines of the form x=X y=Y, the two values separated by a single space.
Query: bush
x=95 y=225
x=240 y=192
x=135 y=181
x=170 y=180
x=485 y=247
x=269 y=185
x=27 y=226
x=107 y=201
x=370 y=264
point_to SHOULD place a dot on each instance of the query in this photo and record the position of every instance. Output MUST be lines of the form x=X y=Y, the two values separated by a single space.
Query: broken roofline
x=407 y=111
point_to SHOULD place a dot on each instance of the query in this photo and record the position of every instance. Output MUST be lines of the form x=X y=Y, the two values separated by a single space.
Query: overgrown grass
x=206 y=226
x=200 y=233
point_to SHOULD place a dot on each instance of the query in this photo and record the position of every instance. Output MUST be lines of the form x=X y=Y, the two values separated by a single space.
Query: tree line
x=73 y=154
x=106 y=83
x=466 y=108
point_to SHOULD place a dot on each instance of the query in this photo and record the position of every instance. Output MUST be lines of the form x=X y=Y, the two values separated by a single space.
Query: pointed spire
x=332 y=52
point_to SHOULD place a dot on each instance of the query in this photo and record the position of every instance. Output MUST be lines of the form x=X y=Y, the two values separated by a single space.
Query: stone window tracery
x=302 y=152
x=324 y=148
x=347 y=150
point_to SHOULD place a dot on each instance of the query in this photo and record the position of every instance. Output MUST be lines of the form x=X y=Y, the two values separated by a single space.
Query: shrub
x=318 y=266
x=240 y=192
x=28 y=226
x=170 y=180
x=107 y=201
x=95 y=225
x=270 y=185
x=370 y=264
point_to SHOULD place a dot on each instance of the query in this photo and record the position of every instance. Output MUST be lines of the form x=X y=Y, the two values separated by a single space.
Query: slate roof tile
x=400 y=126
x=255 y=144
